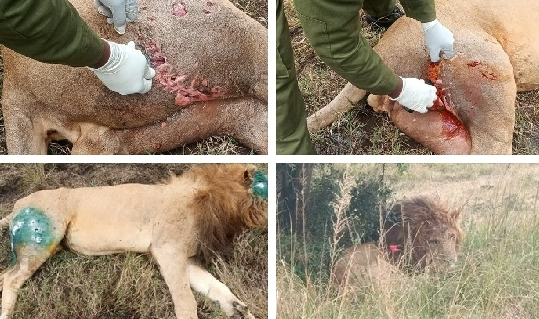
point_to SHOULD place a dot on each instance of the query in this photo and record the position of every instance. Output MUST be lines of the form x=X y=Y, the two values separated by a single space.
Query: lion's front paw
x=241 y=311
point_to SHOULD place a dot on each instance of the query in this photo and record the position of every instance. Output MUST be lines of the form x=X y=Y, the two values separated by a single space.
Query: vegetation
x=497 y=274
x=122 y=286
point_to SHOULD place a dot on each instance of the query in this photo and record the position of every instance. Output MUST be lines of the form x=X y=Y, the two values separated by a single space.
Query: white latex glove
x=438 y=40
x=416 y=95
x=118 y=12
x=127 y=71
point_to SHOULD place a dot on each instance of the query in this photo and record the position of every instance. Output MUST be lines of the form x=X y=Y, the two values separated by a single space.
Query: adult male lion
x=418 y=234
x=176 y=222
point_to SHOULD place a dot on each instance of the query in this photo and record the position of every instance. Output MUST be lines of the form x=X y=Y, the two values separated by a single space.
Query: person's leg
x=381 y=13
x=292 y=134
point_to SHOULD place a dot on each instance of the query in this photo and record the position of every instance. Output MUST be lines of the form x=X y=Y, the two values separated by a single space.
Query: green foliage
x=368 y=202
x=310 y=252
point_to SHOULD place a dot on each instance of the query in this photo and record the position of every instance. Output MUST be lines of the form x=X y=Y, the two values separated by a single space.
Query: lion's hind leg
x=34 y=238
x=203 y=282
x=29 y=259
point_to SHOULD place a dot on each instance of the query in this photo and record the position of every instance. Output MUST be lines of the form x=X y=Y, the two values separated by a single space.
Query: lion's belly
x=98 y=239
x=111 y=219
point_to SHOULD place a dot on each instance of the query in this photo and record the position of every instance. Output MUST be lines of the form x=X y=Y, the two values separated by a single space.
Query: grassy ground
x=497 y=274
x=363 y=131
x=122 y=286
x=215 y=145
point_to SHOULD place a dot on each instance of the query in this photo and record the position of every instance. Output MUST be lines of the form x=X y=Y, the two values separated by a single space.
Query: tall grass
x=497 y=275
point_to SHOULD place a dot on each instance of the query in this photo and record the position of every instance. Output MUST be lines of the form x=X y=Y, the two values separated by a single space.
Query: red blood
x=488 y=75
x=451 y=125
x=178 y=9
x=473 y=64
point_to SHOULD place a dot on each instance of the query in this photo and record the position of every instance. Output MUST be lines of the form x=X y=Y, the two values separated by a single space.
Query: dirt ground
x=122 y=286
x=215 y=145
x=363 y=131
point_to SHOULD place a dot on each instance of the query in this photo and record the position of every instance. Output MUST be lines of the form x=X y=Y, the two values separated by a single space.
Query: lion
x=418 y=235
x=177 y=223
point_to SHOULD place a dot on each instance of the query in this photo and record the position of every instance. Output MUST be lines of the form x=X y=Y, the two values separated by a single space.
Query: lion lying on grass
x=419 y=234
x=177 y=223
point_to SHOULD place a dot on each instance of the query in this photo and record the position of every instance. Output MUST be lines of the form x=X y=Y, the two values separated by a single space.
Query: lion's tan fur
x=201 y=210
x=215 y=43
x=218 y=224
x=419 y=233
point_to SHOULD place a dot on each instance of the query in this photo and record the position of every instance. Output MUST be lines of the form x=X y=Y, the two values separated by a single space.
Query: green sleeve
x=49 y=31
x=421 y=10
x=333 y=29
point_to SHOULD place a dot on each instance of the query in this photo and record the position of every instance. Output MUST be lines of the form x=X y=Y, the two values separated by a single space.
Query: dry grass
x=363 y=131
x=122 y=286
x=498 y=271
x=215 y=145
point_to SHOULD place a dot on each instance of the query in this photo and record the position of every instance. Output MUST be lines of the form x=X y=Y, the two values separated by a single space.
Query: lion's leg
x=203 y=282
x=173 y=267
x=29 y=259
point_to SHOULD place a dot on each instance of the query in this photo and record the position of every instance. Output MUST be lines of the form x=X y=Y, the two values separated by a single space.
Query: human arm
x=333 y=31
x=51 y=31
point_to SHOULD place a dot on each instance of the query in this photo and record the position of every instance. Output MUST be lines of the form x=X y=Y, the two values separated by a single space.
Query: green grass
x=497 y=275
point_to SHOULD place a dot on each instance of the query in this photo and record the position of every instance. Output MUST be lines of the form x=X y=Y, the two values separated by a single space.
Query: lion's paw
x=241 y=311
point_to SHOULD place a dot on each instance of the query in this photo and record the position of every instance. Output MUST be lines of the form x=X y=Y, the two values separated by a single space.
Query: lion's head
x=229 y=198
x=420 y=233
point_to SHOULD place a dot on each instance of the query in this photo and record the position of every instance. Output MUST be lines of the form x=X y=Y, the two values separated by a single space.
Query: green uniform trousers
x=292 y=134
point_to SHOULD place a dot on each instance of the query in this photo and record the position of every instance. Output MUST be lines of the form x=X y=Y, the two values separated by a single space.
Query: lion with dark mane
x=177 y=223
x=418 y=234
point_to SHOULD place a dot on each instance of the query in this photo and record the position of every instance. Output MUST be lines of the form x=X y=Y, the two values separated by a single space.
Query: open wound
x=452 y=126
x=188 y=89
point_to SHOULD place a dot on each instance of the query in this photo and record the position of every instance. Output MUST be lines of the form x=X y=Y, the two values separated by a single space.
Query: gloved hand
x=127 y=71
x=416 y=95
x=438 y=39
x=118 y=12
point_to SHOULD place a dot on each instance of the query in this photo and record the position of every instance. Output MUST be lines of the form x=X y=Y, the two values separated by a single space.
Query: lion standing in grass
x=178 y=222
x=418 y=234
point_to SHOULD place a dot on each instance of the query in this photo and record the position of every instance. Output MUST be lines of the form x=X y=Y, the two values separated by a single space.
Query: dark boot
x=385 y=21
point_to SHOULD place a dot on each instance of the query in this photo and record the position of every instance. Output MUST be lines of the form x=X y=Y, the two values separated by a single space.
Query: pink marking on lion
x=187 y=89
x=394 y=248
x=178 y=9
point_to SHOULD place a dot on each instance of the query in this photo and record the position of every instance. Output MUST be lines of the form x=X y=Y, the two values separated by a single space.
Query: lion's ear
x=248 y=175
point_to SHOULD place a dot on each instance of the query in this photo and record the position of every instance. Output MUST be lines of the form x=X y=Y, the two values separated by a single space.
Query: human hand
x=118 y=12
x=438 y=40
x=127 y=71
x=416 y=95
